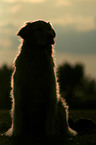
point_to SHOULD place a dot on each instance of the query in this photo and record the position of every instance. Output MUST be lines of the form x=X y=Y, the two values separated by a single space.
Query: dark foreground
x=86 y=138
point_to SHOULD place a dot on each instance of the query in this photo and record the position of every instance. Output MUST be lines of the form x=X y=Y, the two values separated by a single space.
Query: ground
x=85 y=139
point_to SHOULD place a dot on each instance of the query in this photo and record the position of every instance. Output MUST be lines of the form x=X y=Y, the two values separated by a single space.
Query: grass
x=86 y=139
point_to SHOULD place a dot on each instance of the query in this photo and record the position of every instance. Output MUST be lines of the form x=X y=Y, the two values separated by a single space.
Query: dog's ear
x=24 y=31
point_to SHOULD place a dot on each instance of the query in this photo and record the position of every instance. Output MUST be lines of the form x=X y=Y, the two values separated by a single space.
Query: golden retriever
x=36 y=101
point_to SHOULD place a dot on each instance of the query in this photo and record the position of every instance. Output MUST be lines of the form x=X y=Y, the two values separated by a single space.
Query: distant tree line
x=78 y=90
x=5 y=75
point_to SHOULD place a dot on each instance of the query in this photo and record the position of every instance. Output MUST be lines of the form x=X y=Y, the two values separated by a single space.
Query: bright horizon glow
x=86 y=60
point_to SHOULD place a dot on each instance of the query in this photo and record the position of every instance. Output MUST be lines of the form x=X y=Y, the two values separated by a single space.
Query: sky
x=73 y=20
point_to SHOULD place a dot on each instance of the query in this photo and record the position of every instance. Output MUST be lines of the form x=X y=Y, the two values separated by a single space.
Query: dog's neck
x=30 y=47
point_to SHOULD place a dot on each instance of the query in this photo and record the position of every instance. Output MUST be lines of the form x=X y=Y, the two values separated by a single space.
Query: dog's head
x=39 y=32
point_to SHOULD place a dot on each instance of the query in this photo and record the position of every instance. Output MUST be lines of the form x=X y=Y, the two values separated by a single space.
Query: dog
x=37 y=104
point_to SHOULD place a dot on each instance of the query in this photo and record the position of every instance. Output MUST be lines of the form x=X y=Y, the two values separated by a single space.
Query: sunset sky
x=73 y=20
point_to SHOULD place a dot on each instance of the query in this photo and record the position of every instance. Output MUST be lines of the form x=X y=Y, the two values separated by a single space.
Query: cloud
x=15 y=8
x=5 y=43
x=86 y=1
x=1 y=11
x=80 y=23
x=33 y=1
x=63 y=3
x=7 y=29
x=85 y=24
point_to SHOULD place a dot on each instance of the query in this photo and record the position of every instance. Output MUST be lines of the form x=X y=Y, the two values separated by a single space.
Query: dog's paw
x=71 y=132
x=9 y=132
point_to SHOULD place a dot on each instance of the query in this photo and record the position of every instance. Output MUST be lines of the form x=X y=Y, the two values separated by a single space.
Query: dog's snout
x=53 y=33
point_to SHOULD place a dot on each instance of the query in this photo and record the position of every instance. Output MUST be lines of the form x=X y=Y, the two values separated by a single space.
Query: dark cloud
x=72 y=41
